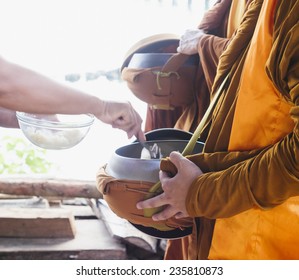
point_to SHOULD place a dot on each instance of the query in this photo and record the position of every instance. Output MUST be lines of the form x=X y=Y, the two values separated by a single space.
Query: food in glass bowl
x=55 y=132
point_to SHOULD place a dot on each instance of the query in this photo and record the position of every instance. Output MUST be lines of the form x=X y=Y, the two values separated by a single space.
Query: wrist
x=98 y=107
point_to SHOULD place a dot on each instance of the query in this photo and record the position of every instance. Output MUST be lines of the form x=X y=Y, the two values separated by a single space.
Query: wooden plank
x=47 y=187
x=23 y=202
x=36 y=223
x=92 y=242
x=123 y=230
x=79 y=211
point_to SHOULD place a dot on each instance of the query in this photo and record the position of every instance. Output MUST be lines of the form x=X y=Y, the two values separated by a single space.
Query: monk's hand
x=175 y=189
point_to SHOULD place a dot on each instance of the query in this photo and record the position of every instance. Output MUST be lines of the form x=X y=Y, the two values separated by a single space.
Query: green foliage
x=17 y=156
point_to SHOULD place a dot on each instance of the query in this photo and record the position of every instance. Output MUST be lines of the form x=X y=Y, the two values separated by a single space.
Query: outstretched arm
x=22 y=89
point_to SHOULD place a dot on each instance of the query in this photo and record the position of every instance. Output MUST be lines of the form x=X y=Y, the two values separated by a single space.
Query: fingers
x=135 y=128
x=140 y=135
x=161 y=199
x=154 y=202
x=175 y=158
x=132 y=127
x=157 y=201
x=167 y=213
x=129 y=121
x=184 y=166
x=163 y=176
x=181 y=215
x=175 y=189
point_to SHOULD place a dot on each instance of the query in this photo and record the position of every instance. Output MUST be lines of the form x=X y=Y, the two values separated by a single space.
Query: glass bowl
x=55 y=132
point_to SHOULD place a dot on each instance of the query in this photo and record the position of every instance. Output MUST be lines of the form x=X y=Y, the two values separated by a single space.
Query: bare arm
x=22 y=89
x=8 y=118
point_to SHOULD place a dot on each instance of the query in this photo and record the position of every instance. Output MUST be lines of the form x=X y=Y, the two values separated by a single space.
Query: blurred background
x=81 y=43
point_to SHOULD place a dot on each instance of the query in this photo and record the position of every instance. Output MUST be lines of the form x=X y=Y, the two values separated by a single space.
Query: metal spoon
x=150 y=151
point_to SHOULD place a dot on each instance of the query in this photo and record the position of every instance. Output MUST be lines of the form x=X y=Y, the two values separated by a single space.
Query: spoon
x=150 y=151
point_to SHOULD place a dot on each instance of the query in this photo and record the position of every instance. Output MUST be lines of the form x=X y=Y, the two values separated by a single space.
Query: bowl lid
x=154 y=43
x=149 y=60
x=167 y=134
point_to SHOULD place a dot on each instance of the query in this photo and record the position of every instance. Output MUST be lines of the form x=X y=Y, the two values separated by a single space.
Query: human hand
x=175 y=189
x=189 y=41
x=123 y=116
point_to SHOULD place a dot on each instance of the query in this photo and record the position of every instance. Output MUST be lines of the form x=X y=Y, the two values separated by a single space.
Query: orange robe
x=260 y=178
x=261 y=119
x=217 y=21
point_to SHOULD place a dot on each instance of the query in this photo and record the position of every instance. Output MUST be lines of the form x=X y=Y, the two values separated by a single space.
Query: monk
x=242 y=192
x=212 y=37
x=217 y=27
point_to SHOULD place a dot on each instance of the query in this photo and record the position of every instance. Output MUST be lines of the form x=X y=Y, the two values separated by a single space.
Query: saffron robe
x=210 y=49
x=217 y=193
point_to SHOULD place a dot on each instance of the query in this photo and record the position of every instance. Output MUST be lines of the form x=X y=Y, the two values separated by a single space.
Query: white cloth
x=189 y=41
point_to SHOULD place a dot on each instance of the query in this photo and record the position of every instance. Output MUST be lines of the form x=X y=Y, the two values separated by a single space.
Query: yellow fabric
x=257 y=234
x=261 y=118
x=235 y=15
x=258 y=98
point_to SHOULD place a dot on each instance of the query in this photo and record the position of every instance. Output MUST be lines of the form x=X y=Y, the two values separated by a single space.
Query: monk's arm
x=265 y=179
x=214 y=17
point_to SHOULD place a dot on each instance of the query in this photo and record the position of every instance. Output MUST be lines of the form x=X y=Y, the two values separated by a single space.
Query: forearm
x=265 y=180
x=22 y=89
x=210 y=48
x=8 y=118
